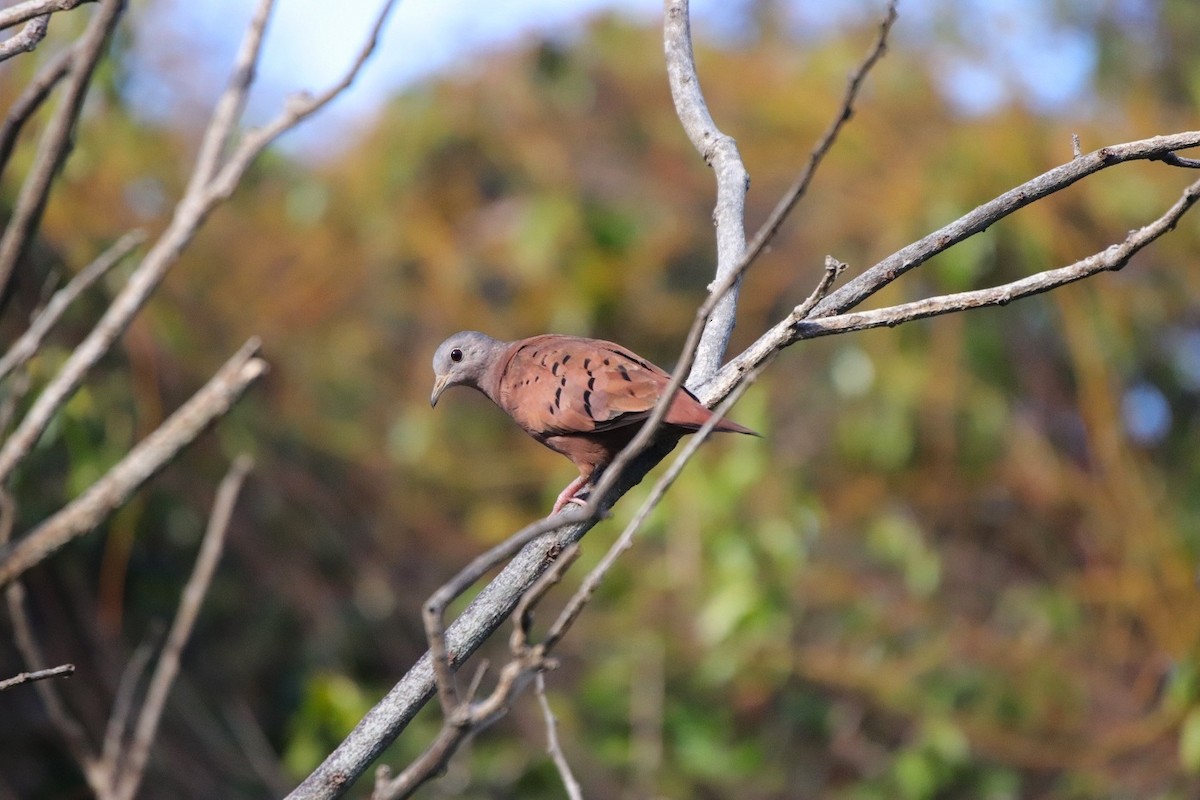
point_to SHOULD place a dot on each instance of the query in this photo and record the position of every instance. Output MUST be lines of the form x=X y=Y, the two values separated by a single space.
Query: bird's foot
x=569 y=495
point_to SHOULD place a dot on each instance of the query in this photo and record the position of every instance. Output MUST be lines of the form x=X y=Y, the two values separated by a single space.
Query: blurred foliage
x=960 y=564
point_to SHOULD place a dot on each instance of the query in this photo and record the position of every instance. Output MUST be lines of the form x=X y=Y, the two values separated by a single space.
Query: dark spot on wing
x=587 y=404
x=566 y=358
x=563 y=382
x=631 y=357
x=587 y=362
x=558 y=397
x=624 y=373
x=592 y=382
x=554 y=368
x=551 y=407
x=607 y=362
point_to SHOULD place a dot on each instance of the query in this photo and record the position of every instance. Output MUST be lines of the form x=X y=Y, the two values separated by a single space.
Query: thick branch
x=21 y=12
x=29 y=38
x=721 y=153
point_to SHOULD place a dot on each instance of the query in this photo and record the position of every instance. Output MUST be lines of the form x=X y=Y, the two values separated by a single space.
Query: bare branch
x=134 y=767
x=25 y=347
x=547 y=540
x=64 y=671
x=981 y=218
x=146 y=458
x=721 y=153
x=463 y=720
x=29 y=38
x=31 y=653
x=384 y=722
x=297 y=109
x=21 y=12
x=435 y=607
x=30 y=100
x=114 y=732
x=231 y=103
x=883 y=273
x=56 y=141
x=725 y=285
x=257 y=748
x=198 y=202
x=552 y=744
x=1176 y=160
x=1112 y=258
x=62 y=720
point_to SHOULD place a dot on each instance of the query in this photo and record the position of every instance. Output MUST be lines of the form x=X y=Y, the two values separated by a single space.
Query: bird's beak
x=439 y=386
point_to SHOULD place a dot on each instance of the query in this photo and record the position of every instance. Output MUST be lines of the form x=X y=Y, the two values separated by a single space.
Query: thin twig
x=231 y=103
x=134 y=766
x=56 y=710
x=63 y=671
x=56 y=141
x=552 y=744
x=148 y=456
x=1176 y=160
x=518 y=643
x=112 y=751
x=30 y=100
x=257 y=748
x=845 y=111
x=297 y=109
x=26 y=346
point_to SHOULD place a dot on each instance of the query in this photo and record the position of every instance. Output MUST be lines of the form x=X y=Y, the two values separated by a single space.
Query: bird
x=584 y=398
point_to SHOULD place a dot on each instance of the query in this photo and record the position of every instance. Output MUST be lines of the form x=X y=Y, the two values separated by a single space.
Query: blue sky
x=1006 y=49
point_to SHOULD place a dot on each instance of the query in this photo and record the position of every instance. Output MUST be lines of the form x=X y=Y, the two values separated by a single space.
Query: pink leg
x=567 y=495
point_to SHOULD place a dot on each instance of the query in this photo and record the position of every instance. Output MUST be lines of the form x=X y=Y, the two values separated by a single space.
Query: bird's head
x=464 y=358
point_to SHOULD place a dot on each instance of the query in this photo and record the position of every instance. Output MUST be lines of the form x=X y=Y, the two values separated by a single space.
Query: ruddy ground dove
x=584 y=398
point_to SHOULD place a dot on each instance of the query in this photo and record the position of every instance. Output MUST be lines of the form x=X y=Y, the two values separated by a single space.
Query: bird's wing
x=556 y=385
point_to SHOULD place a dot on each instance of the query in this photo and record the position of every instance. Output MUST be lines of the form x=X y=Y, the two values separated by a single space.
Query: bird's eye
x=456 y=355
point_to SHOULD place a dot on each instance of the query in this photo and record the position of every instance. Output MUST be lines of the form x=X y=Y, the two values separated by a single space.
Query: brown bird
x=584 y=398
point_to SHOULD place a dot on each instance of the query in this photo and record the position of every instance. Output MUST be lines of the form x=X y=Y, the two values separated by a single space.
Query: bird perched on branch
x=584 y=398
